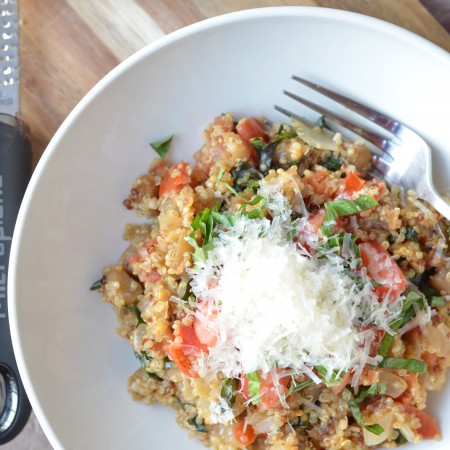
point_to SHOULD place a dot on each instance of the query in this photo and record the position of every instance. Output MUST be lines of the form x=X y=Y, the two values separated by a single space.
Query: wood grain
x=68 y=45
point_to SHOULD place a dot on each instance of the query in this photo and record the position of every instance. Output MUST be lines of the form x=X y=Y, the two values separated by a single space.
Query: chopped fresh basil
x=407 y=313
x=143 y=358
x=189 y=295
x=332 y=163
x=257 y=143
x=137 y=313
x=254 y=385
x=299 y=387
x=197 y=423
x=343 y=207
x=321 y=122
x=205 y=223
x=413 y=365
x=400 y=440
x=285 y=132
x=330 y=380
x=219 y=179
x=96 y=285
x=229 y=389
x=437 y=302
x=257 y=212
x=334 y=244
x=371 y=391
x=162 y=147
x=411 y=234
x=357 y=415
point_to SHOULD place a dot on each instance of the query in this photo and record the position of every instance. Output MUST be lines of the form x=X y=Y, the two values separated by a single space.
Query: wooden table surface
x=68 y=45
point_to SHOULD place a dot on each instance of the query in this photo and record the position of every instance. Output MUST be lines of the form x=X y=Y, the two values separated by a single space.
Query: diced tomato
x=184 y=356
x=204 y=324
x=340 y=387
x=190 y=337
x=269 y=392
x=318 y=181
x=353 y=186
x=244 y=434
x=186 y=353
x=353 y=182
x=383 y=269
x=250 y=128
x=428 y=428
x=176 y=178
x=313 y=224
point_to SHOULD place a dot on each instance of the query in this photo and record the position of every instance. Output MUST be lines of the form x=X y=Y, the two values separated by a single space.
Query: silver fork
x=405 y=158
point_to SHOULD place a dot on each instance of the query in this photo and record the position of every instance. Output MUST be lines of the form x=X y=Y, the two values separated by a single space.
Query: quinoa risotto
x=279 y=298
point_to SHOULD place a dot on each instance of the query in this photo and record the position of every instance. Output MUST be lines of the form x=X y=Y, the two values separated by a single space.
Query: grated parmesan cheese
x=278 y=306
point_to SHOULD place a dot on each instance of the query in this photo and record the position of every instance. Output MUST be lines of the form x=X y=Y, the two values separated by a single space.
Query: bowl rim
x=252 y=14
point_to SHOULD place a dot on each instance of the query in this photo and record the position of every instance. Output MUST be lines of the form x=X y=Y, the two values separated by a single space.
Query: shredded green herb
x=254 y=385
x=299 y=387
x=137 y=313
x=343 y=207
x=357 y=415
x=407 y=313
x=96 y=285
x=371 y=391
x=437 y=302
x=162 y=147
x=333 y=379
x=334 y=244
x=219 y=179
x=400 y=440
x=413 y=365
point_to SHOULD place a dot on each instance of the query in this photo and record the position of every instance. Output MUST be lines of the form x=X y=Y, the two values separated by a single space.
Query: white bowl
x=73 y=365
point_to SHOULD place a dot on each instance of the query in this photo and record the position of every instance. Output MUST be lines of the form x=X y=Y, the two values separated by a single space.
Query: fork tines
x=387 y=146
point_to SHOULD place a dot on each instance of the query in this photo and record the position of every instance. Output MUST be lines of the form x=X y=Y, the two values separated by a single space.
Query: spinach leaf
x=411 y=234
x=197 y=422
x=244 y=175
x=229 y=389
x=265 y=156
x=162 y=147
x=321 y=122
x=343 y=207
x=332 y=163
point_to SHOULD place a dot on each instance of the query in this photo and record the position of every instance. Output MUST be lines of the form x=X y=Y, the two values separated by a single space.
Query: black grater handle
x=15 y=172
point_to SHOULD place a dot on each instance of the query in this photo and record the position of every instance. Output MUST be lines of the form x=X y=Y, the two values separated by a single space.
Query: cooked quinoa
x=378 y=262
